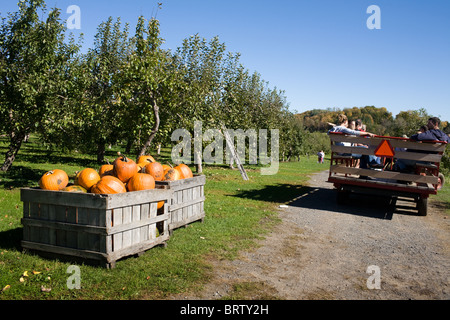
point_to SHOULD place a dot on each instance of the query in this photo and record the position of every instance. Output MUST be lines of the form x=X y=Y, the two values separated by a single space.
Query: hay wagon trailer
x=348 y=178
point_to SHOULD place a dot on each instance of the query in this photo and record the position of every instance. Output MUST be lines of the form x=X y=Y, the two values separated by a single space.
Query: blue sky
x=320 y=52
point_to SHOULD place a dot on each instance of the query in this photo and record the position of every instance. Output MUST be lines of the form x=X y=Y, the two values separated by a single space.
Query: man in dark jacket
x=433 y=133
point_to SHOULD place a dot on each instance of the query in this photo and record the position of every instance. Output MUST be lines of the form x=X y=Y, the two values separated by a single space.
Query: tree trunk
x=129 y=145
x=16 y=140
x=158 y=151
x=101 y=151
x=198 y=162
x=154 y=130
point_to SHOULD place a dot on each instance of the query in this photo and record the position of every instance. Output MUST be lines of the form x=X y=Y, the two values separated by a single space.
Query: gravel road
x=363 y=250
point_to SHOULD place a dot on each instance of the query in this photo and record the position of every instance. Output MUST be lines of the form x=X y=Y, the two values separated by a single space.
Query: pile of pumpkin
x=121 y=176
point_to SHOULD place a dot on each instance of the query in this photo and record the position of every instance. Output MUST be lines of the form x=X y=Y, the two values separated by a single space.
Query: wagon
x=348 y=178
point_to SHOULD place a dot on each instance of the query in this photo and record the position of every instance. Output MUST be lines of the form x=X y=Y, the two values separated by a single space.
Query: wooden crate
x=187 y=202
x=100 y=228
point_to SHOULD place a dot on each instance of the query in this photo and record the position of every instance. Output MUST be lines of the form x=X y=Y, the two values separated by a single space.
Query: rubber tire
x=422 y=206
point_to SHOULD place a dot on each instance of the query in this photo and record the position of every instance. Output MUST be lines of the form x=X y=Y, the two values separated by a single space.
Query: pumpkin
x=55 y=180
x=171 y=174
x=75 y=188
x=106 y=170
x=185 y=171
x=165 y=167
x=155 y=169
x=145 y=159
x=160 y=205
x=87 y=178
x=108 y=185
x=141 y=181
x=124 y=168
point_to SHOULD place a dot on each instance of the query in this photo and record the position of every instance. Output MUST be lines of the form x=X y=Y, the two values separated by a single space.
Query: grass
x=238 y=213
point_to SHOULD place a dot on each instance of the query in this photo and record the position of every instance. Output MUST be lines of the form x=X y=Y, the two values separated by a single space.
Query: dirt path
x=322 y=251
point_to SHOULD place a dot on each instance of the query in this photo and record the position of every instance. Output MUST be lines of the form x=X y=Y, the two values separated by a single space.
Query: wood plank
x=191 y=219
x=176 y=185
x=136 y=217
x=65 y=226
x=83 y=220
x=418 y=156
x=97 y=218
x=117 y=237
x=137 y=197
x=153 y=217
x=141 y=247
x=185 y=204
x=395 y=143
x=44 y=232
x=136 y=224
x=74 y=199
x=64 y=250
x=34 y=214
x=382 y=184
x=126 y=233
x=390 y=175
x=398 y=154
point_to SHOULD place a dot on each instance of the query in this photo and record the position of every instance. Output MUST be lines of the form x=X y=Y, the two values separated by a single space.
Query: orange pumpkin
x=108 y=185
x=145 y=159
x=87 y=178
x=171 y=174
x=106 y=170
x=165 y=167
x=75 y=188
x=124 y=168
x=160 y=204
x=55 y=180
x=141 y=181
x=185 y=171
x=155 y=169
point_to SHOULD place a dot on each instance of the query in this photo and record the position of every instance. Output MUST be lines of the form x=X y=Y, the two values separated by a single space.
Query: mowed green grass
x=238 y=213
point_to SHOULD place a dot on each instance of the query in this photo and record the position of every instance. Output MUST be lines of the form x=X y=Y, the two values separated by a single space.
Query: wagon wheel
x=422 y=206
x=441 y=181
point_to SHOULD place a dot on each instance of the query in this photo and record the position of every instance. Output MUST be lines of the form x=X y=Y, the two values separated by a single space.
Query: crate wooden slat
x=104 y=228
x=187 y=202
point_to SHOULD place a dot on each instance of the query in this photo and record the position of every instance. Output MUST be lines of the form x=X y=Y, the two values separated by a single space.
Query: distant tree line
x=378 y=120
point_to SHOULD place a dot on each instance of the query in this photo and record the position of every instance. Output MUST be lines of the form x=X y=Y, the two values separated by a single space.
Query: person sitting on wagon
x=432 y=134
x=343 y=127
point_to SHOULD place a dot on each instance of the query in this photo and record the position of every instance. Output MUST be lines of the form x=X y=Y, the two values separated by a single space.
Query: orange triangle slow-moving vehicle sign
x=385 y=149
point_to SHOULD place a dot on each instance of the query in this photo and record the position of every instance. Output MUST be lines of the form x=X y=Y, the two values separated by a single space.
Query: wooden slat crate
x=187 y=202
x=101 y=228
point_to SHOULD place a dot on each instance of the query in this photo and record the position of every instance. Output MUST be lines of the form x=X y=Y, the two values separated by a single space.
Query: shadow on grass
x=34 y=155
x=278 y=193
x=10 y=239
x=19 y=177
